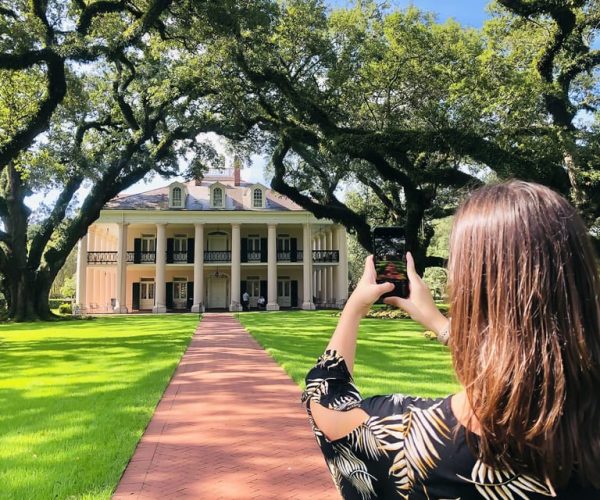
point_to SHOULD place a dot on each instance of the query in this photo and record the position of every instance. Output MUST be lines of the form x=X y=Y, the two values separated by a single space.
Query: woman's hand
x=419 y=304
x=367 y=290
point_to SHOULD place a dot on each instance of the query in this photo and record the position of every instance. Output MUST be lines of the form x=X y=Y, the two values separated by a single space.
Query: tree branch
x=335 y=210
x=56 y=88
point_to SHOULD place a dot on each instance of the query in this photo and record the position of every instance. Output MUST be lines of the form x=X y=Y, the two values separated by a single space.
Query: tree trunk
x=28 y=298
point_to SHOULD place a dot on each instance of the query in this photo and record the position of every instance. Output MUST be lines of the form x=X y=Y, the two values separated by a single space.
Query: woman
x=525 y=342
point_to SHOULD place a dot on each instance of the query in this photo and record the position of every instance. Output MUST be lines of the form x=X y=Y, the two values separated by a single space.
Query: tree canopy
x=97 y=94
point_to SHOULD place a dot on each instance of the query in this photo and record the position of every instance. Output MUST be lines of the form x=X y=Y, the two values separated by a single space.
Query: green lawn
x=75 y=398
x=392 y=355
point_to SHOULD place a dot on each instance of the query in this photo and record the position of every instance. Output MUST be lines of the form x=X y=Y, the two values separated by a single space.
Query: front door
x=146 y=295
x=179 y=293
x=217 y=292
x=253 y=289
x=284 y=293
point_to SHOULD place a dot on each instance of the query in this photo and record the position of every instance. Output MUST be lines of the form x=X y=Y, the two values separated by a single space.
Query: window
x=253 y=243
x=148 y=243
x=283 y=287
x=176 y=197
x=147 y=289
x=257 y=198
x=217 y=197
x=180 y=243
x=283 y=243
x=179 y=288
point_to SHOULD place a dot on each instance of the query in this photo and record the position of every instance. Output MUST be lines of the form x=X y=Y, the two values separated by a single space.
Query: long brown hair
x=525 y=336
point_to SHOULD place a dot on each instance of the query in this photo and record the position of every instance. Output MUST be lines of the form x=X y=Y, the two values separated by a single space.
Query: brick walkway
x=229 y=425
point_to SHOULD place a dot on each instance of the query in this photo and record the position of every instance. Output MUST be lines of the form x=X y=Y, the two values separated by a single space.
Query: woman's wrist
x=440 y=324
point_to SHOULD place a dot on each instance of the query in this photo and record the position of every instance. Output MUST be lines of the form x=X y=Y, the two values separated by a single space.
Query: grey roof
x=198 y=198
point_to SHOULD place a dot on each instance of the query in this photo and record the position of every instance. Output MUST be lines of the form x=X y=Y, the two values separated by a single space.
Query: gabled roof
x=198 y=198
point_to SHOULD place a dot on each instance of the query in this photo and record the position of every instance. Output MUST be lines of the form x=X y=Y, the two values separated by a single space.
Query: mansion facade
x=202 y=244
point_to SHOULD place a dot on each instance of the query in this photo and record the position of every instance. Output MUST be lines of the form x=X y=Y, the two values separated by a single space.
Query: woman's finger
x=385 y=288
x=369 y=271
x=413 y=277
x=404 y=304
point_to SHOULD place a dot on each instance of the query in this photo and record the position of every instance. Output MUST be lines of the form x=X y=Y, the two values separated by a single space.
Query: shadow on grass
x=76 y=398
x=392 y=355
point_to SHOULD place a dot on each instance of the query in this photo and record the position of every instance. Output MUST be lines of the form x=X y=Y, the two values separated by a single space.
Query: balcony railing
x=102 y=257
x=254 y=256
x=141 y=257
x=319 y=256
x=217 y=256
x=326 y=255
x=179 y=257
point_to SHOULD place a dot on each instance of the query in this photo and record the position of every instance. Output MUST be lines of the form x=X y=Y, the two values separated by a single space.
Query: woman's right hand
x=419 y=304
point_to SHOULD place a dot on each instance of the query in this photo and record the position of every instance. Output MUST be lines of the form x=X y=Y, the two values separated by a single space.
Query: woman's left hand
x=367 y=290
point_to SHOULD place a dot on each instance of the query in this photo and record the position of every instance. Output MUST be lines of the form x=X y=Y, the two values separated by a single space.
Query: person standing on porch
x=245 y=301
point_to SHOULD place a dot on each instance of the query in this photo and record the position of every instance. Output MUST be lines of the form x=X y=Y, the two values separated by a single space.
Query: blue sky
x=467 y=12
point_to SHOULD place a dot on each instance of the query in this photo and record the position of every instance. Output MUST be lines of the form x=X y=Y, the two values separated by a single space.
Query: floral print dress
x=408 y=449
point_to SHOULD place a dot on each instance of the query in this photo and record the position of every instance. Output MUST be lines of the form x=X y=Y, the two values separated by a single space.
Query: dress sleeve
x=330 y=383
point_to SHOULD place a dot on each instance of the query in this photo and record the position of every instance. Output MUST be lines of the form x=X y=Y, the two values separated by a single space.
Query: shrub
x=65 y=309
x=56 y=303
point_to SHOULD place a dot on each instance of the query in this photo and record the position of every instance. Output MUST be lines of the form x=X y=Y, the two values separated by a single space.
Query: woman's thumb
x=404 y=304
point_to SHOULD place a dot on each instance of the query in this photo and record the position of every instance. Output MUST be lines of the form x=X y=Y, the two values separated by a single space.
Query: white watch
x=444 y=334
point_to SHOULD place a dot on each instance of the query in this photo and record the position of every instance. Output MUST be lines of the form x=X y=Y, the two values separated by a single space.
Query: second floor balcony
x=210 y=256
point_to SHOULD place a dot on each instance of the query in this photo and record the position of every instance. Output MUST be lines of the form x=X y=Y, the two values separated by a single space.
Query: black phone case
x=401 y=287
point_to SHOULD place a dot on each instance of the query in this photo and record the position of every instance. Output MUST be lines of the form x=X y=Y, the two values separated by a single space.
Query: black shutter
x=263 y=251
x=190 y=293
x=170 y=244
x=244 y=249
x=294 y=293
x=169 y=300
x=243 y=285
x=190 y=251
x=135 y=296
x=263 y=289
x=137 y=250
x=293 y=250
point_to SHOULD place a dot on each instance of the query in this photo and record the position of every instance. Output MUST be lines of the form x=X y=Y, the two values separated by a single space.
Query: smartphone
x=389 y=254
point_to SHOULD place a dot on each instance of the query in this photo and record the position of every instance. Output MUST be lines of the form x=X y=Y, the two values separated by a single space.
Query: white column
x=112 y=286
x=120 y=306
x=342 y=267
x=92 y=247
x=235 y=304
x=314 y=287
x=330 y=291
x=324 y=269
x=160 y=286
x=317 y=272
x=198 y=305
x=307 y=269
x=80 y=290
x=272 y=304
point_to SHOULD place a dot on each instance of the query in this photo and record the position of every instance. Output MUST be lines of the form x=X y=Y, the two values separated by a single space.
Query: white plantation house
x=201 y=244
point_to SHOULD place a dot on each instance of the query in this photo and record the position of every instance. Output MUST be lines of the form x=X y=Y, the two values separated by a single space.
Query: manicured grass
x=75 y=398
x=392 y=355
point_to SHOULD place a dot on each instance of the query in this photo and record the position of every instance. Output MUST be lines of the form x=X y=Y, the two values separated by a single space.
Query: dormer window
x=176 y=197
x=257 y=198
x=177 y=194
x=217 y=193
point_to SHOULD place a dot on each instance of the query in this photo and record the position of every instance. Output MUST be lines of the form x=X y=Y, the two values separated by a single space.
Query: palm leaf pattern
x=411 y=436
x=493 y=483
x=353 y=469
x=402 y=445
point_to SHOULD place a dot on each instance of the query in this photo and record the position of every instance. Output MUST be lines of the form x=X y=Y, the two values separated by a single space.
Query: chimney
x=237 y=167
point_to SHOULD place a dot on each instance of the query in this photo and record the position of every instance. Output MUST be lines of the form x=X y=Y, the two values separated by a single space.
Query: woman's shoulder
x=396 y=404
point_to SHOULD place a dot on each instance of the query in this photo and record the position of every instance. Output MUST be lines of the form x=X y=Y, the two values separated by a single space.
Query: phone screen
x=390 y=263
